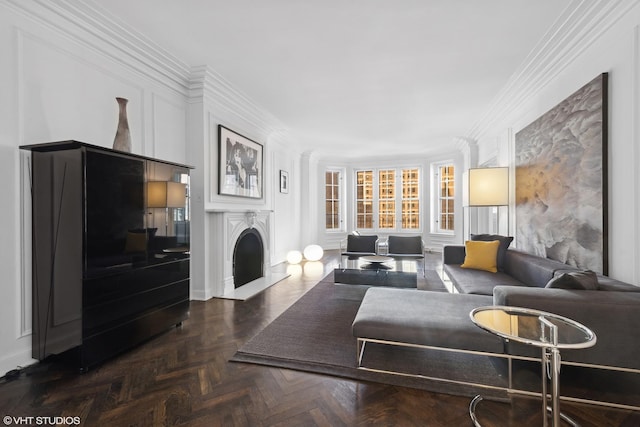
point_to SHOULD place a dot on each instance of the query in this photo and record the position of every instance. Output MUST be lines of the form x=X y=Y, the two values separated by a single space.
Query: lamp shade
x=313 y=252
x=488 y=187
x=165 y=194
x=294 y=257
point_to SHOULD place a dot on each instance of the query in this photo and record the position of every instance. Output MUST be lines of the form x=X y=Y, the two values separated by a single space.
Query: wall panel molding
x=163 y=137
x=25 y=305
x=33 y=47
x=88 y=24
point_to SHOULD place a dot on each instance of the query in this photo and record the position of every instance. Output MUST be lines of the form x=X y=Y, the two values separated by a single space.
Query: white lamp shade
x=313 y=253
x=294 y=257
x=165 y=194
x=488 y=187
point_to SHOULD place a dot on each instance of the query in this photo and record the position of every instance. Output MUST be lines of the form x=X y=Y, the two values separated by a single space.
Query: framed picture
x=561 y=181
x=240 y=165
x=284 y=181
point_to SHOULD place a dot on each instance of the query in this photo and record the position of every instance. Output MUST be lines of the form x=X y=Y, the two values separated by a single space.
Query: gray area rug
x=431 y=282
x=314 y=335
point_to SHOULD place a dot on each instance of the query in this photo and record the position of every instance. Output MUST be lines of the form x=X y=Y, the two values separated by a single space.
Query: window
x=364 y=199
x=410 y=199
x=332 y=200
x=388 y=195
x=445 y=180
x=386 y=199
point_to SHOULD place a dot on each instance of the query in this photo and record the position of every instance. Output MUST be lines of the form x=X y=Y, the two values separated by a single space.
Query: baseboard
x=20 y=358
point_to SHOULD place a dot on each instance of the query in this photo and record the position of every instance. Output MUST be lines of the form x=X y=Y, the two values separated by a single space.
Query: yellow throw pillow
x=481 y=255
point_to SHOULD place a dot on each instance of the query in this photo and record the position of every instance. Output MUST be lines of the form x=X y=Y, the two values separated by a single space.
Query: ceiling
x=354 y=76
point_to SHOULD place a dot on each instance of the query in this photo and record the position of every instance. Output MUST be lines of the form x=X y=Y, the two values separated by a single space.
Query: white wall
x=212 y=103
x=59 y=78
x=287 y=218
x=59 y=82
x=611 y=45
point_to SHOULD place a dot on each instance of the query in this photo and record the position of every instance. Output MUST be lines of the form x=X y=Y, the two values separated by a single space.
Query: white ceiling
x=351 y=76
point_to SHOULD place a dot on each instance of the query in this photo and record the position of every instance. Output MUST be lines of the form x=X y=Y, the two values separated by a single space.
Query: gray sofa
x=441 y=320
x=611 y=311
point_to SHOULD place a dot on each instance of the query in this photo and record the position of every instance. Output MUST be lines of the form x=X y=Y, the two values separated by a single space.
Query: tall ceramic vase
x=122 y=141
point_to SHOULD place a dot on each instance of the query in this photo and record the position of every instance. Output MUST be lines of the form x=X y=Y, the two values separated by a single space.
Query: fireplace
x=229 y=229
x=248 y=258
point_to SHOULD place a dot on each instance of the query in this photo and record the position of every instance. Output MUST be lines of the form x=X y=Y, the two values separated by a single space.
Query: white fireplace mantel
x=228 y=225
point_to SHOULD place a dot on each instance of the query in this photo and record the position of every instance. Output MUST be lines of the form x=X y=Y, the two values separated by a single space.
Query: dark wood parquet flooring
x=183 y=378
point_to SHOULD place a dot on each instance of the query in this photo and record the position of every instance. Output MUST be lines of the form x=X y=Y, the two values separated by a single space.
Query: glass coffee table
x=547 y=331
x=376 y=270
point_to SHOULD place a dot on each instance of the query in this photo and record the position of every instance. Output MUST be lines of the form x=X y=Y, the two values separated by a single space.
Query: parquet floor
x=183 y=377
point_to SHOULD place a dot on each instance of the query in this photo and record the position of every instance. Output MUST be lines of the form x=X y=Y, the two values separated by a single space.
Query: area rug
x=314 y=335
x=431 y=282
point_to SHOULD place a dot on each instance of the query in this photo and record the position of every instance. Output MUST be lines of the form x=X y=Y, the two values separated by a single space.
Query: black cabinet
x=110 y=249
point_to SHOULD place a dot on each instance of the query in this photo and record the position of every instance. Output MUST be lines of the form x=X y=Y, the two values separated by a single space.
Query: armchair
x=406 y=247
x=355 y=246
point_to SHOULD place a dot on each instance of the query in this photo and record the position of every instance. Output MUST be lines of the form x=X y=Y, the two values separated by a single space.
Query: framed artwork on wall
x=239 y=165
x=561 y=181
x=284 y=181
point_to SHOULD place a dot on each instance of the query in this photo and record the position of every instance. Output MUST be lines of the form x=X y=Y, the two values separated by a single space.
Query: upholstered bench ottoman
x=423 y=318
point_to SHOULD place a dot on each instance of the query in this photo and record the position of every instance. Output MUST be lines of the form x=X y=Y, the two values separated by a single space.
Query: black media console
x=110 y=233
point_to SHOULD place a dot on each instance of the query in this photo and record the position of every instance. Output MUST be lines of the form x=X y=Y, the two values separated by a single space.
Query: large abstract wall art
x=561 y=181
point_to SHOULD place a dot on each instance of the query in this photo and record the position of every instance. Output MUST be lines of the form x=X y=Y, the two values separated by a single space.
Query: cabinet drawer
x=133 y=332
x=109 y=288
x=115 y=312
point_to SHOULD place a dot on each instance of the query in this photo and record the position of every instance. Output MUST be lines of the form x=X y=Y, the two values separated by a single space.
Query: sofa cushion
x=481 y=255
x=412 y=316
x=578 y=280
x=453 y=254
x=505 y=241
x=467 y=281
x=531 y=269
x=612 y=285
x=606 y=283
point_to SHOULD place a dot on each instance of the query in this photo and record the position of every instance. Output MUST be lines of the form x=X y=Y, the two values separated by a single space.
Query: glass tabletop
x=380 y=264
x=533 y=327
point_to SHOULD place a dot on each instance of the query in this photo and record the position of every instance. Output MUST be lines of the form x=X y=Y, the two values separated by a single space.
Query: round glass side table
x=548 y=331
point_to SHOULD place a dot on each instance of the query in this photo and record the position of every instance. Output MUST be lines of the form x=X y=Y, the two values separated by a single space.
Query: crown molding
x=205 y=84
x=464 y=144
x=469 y=149
x=89 y=25
x=578 y=27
